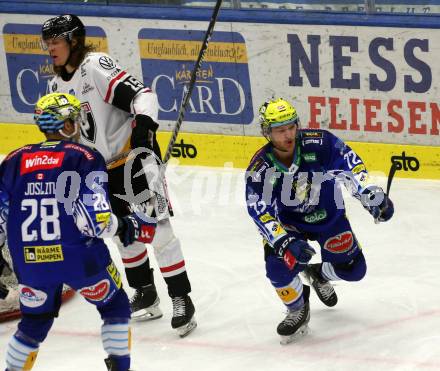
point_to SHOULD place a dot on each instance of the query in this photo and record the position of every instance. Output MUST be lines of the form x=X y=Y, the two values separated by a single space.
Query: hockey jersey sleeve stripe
x=112 y=83
x=135 y=259
x=173 y=267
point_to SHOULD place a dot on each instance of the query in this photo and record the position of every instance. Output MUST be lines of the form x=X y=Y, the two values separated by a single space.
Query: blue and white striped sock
x=291 y=294
x=116 y=338
x=20 y=356
x=328 y=272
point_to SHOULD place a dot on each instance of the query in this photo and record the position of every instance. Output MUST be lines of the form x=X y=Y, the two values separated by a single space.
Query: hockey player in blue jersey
x=293 y=196
x=55 y=212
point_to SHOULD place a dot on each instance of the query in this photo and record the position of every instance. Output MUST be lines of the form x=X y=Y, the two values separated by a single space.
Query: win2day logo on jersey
x=222 y=93
x=29 y=66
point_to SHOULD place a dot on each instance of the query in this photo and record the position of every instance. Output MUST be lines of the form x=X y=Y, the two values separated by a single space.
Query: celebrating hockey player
x=293 y=196
x=122 y=114
x=56 y=212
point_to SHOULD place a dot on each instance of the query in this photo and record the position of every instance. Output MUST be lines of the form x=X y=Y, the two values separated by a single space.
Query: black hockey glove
x=3 y=267
x=3 y=291
x=132 y=228
x=295 y=253
x=143 y=133
x=378 y=204
x=3 y=264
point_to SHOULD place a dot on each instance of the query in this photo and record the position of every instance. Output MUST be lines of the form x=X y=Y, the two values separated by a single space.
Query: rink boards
x=195 y=149
x=371 y=80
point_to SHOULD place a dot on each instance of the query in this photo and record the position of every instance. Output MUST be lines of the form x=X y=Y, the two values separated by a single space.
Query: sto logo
x=340 y=243
x=96 y=292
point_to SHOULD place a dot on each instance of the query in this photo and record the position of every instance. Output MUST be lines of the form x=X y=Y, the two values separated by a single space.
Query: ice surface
x=388 y=321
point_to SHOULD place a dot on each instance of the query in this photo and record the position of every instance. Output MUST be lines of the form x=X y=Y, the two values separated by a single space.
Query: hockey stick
x=192 y=81
x=394 y=167
x=187 y=95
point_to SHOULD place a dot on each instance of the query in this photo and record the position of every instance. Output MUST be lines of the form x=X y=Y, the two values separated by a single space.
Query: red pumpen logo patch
x=97 y=292
x=340 y=243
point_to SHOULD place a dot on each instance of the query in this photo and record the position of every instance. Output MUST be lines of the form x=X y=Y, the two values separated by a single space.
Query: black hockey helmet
x=63 y=26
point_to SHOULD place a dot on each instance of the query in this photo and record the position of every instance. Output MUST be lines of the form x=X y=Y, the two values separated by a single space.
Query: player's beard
x=286 y=146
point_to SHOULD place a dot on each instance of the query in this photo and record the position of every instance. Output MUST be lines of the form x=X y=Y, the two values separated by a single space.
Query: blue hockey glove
x=132 y=228
x=143 y=133
x=378 y=204
x=295 y=253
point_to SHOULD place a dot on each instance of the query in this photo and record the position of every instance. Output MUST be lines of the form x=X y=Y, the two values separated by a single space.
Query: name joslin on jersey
x=42 y=160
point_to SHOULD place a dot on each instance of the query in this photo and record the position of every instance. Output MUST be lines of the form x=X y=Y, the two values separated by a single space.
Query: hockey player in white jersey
x=121 y=115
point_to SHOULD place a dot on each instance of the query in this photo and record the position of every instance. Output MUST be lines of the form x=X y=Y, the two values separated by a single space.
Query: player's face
x=283 y=137
x=59 y=50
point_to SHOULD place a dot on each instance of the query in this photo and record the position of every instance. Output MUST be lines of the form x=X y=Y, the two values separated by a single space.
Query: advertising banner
x=222 y=93
x=365 y=84
x=374 y=84
x=29 y=65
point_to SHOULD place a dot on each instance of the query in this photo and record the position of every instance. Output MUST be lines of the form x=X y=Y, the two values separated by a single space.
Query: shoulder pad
x=17 y=151
x=50 y=144
x=258 y=159
x=257 y=167
x=101 y=60
x=257 y=164
x=313 y=137
x=88 y=153
x=306 y=133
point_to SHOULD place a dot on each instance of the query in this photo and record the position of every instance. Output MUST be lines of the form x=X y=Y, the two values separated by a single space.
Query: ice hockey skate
x=183 y=315
x=145 y=304
x=323 y=288
x=295 y=325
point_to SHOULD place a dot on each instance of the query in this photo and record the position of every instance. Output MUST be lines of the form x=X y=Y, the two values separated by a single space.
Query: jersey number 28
x=46 y=210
